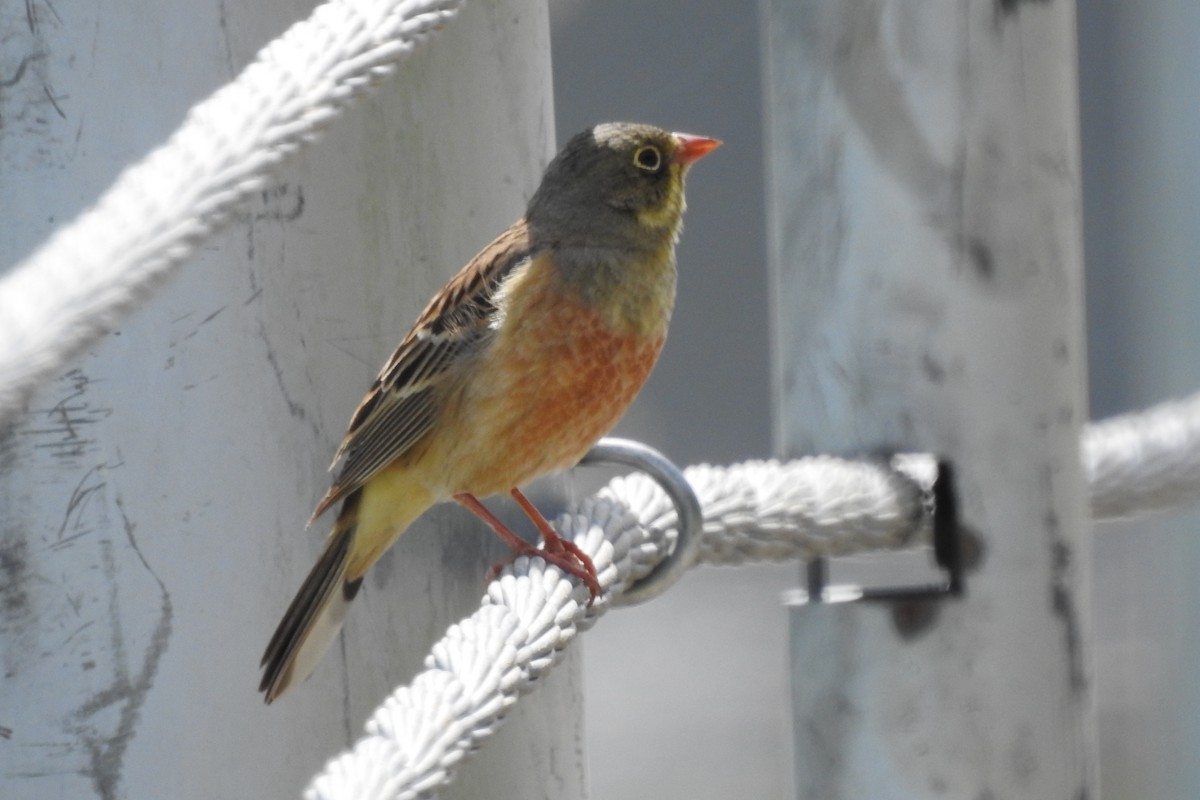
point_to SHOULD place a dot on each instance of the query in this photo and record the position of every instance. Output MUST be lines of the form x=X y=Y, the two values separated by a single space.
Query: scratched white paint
x=152 y=501
x=924 y=208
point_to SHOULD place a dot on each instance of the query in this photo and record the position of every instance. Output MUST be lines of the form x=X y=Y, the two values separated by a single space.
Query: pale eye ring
x=647 y=158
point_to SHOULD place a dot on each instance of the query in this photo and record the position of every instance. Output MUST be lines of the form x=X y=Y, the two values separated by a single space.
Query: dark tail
x=315 y=616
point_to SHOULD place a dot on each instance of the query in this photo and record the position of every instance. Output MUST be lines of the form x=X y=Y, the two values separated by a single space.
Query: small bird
x=518 y=366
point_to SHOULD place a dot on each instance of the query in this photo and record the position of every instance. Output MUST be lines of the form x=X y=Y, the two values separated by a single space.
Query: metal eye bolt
x=628 y=453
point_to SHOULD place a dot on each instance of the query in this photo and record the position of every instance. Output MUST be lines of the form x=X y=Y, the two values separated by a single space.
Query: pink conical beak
x=693 y=148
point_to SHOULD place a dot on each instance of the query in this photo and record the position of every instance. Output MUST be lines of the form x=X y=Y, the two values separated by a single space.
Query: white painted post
x=153 y=500
x=924 y=212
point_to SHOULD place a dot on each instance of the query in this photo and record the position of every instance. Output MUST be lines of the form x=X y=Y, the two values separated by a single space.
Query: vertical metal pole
x=924 y=213
x=153 y=501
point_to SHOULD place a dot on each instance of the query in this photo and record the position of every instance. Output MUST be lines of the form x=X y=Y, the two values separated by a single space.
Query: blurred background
x=687 y=696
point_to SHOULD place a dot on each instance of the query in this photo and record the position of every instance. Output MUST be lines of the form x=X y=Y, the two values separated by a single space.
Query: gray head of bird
x=618 y=184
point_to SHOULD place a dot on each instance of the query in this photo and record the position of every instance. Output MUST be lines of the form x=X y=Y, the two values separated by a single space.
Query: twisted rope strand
x=759 y=510
x=1144 y=461
x=89 y=274
x=531 y=613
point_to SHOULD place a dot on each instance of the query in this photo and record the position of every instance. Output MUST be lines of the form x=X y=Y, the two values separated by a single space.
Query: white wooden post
x=153 y=500
x=924 y=212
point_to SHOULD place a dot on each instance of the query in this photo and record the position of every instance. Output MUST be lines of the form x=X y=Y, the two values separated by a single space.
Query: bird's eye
x=647 y=158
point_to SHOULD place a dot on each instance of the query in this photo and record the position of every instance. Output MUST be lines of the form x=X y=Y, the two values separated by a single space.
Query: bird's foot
x=567 y=557
x=557 y=545
x=558 y=551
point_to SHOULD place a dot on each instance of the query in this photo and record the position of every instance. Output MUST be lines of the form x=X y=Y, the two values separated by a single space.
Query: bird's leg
x=521 y=547
x=554 y=542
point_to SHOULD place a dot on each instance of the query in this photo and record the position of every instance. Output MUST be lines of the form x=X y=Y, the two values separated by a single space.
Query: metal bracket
x=942 y=498
x=628 y=453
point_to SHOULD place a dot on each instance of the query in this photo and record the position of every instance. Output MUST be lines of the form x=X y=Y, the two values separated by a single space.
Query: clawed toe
x=568 y=558
x=562 y=553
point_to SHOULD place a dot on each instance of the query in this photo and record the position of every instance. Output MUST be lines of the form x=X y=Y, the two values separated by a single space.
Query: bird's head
x=617 y=179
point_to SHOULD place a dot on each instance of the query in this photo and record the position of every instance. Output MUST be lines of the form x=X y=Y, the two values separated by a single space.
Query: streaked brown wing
x=403 y=402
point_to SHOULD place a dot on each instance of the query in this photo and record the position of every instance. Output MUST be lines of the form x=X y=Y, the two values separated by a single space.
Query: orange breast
x=557 y=379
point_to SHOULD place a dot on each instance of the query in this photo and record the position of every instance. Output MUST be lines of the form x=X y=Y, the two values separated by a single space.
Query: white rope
x=752 y=511
x=78 y=285
x=1145 y=461
x=794 y=510
x=423 y=731
x=819 y=506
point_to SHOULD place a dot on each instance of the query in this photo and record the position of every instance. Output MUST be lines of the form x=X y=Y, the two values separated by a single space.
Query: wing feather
x=403 y=403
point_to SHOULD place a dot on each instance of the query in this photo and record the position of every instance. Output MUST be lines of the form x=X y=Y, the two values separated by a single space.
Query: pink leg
x=559 y=557
x=554 y=542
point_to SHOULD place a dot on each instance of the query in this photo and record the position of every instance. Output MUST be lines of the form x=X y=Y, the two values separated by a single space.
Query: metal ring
x=628 y=453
